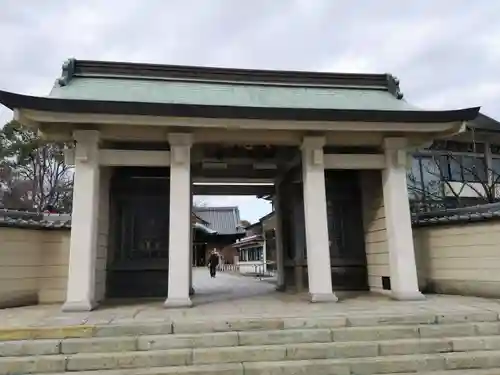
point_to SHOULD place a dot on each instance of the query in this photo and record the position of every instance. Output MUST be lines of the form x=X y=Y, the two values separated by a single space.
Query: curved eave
x=17 y=101
x=204 y=228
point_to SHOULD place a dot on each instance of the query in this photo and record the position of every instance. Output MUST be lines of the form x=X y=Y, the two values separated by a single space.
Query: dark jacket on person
x=213 y=261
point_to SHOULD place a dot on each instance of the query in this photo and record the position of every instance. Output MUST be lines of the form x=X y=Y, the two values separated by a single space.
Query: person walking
x=213 y=262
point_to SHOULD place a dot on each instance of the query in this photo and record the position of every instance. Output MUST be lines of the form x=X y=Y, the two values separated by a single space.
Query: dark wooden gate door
x=345 y=228
x=139 y=263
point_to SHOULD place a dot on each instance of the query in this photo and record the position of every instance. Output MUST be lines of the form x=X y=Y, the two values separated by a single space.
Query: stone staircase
x=450 y=344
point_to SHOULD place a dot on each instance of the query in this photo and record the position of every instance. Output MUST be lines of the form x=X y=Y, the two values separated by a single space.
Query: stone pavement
x=226 y=287
x=232 y=296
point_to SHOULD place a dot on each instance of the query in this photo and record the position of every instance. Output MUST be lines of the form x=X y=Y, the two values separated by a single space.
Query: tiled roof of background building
x=220 y=220
x=23 y=219
x=224 y=220
x=458 y=215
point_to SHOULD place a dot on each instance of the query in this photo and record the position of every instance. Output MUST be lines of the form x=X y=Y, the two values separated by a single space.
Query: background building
x=459 y=171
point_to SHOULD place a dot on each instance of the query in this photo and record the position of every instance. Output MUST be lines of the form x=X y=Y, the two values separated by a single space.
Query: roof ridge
x=216 y=207
x=73 y=67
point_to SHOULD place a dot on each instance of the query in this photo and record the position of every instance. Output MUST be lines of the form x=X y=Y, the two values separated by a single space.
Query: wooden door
x=345 y=229
x=139 y=263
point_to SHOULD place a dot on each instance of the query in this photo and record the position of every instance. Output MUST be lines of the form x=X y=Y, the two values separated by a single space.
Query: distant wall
x=228 y=253
x=377 y=253
x=33 y=266
x=460 y=258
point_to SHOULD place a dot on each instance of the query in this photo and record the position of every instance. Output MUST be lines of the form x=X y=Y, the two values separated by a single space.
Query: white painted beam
x=354 y=161
x=134 y=158
x=238 y=124
x=125 y=158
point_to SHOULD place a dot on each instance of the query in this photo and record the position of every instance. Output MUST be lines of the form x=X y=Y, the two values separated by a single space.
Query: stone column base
x=407 y=296
x=177 y=303
x=281 y=288
x=323 y=297
x=78 y=306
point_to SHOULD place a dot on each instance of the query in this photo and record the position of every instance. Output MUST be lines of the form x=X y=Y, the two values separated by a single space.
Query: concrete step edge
x=368 y=365
x=407 y=335
x=404 y=364
x=217 y=369
x=241 y=325
x=491 y=371
x=374 y=348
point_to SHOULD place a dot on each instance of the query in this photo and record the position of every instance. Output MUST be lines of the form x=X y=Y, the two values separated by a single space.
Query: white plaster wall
x=33 y=266
x=54 y=266
x=19 y=266
x=460 y=259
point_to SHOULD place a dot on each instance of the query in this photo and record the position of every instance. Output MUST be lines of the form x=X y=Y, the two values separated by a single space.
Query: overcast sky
x=445 y=52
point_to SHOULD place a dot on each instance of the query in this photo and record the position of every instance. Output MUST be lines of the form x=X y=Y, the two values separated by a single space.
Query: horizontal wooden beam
x=354 y=161
x=134 y=158
x=233 y=190
x=126 y=158
x=39 y=116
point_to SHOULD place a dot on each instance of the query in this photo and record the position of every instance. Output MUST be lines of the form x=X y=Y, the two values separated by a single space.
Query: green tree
x=33 y=174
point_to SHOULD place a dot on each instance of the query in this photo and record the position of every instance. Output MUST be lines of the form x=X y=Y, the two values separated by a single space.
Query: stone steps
x=485 y=346
x=242 y=325
x=322 y=345
x=232 y=339
x=480 y=363
x=225 y=342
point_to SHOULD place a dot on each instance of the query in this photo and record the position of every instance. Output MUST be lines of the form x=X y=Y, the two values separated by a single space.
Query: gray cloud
x=445 y=52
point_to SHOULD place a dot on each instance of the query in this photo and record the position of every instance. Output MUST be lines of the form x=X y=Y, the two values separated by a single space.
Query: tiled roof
x=130 y=74
x=101 y=87
x=256 y=238
x=458 y=215
x=31 y=220
x=484 y=123
x=224 y=220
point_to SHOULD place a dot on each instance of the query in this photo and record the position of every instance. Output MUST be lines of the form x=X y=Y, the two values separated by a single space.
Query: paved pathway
x=273 y=304
x=226 y=287
x=234 y=296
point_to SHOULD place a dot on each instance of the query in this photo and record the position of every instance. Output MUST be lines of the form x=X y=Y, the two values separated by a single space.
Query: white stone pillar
x=103 y=233
x=80 y=295
x=280 y=256
x=403 y=269
x=191 y=239
x=264 y=251
x=316 y=226
x=180 y=221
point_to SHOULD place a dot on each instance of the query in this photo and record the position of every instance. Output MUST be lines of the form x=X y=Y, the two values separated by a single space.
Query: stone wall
x=377 y=254
x=460 y=258
x=33 y=265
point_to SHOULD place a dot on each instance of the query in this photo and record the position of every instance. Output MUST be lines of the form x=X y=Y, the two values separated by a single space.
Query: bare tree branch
x=34 y=171
x=440 y=186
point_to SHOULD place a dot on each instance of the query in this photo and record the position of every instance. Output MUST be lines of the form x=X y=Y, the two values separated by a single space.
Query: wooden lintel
x=354 y=161
x=134 y=158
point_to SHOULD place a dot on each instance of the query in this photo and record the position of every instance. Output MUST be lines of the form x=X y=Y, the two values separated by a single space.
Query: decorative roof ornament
x=68 y=70
x=393 y=86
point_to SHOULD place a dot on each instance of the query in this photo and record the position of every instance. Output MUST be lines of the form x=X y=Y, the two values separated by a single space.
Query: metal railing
x=228 y=268
x=264 y=269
